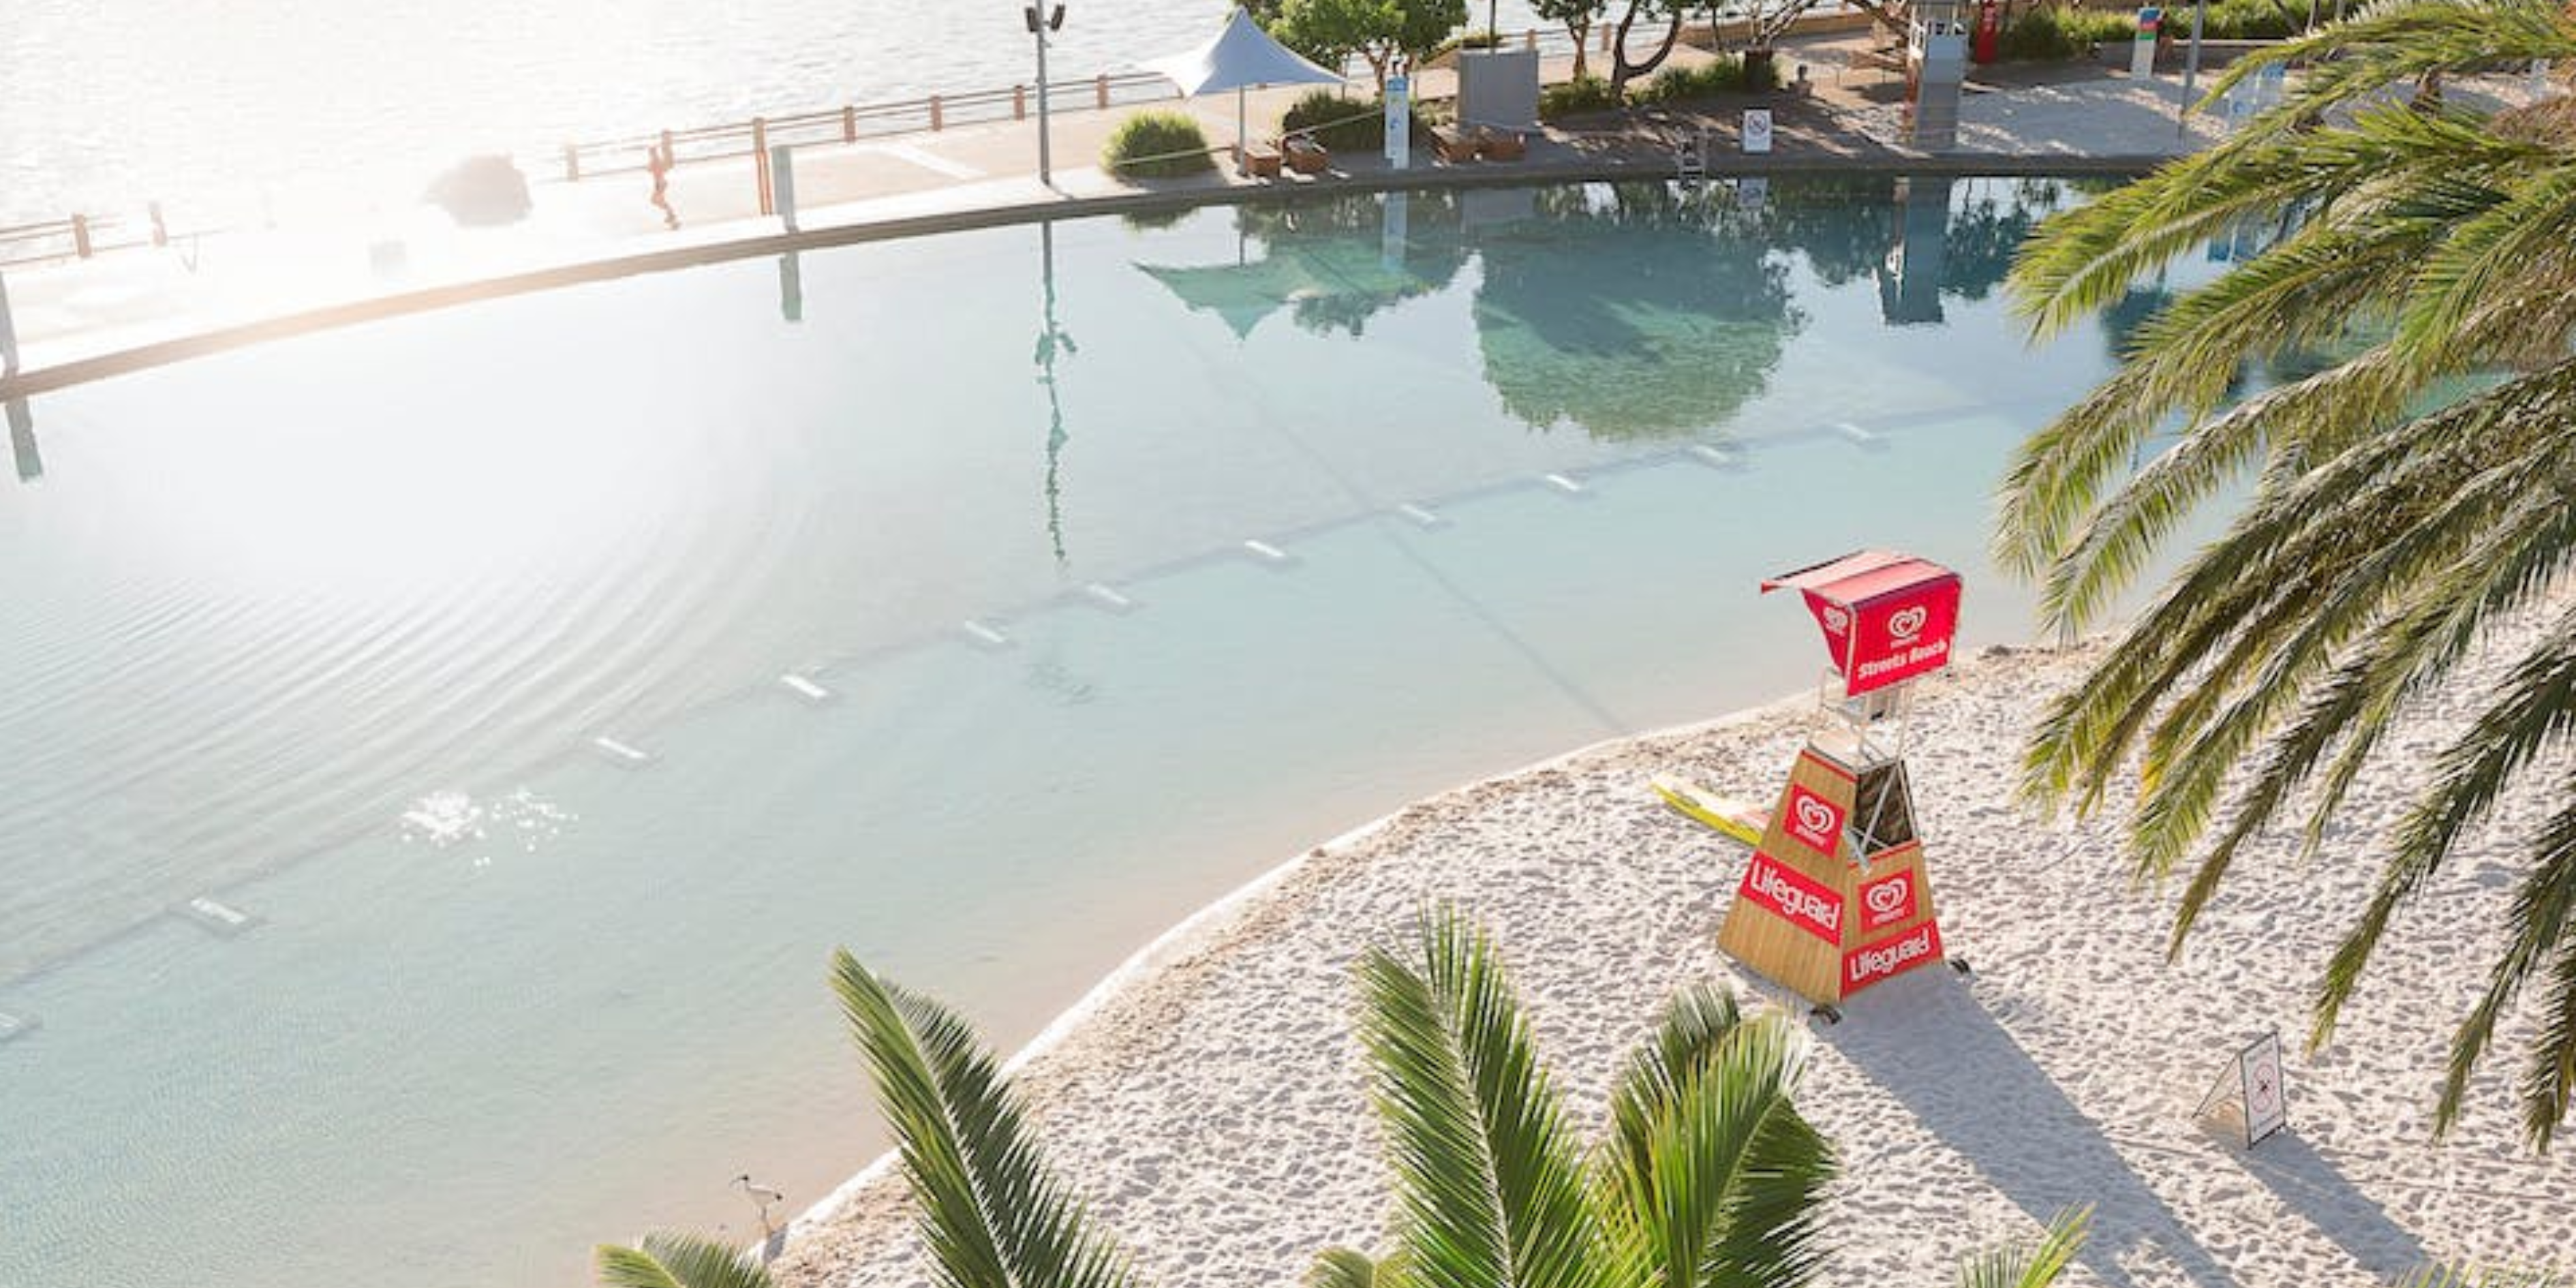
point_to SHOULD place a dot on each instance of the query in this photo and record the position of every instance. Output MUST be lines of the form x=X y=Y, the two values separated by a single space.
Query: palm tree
x=1708 y=1175
x=2408 y=503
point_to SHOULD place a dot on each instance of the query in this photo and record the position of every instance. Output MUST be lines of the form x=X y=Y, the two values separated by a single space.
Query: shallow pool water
x=329 y=634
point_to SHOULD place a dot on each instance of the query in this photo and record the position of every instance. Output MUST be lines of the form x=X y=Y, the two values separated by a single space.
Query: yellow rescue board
x=1733 y=817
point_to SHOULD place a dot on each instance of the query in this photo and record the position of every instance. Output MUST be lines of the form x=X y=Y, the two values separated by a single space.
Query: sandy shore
x=1210 y=1100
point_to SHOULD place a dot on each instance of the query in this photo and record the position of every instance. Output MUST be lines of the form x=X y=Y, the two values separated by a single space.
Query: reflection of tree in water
x=1629 y=312
x=1326 y=262
x=1847 y=225
x=1987 y=227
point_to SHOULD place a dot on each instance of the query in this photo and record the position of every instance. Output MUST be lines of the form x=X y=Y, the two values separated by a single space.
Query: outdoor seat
x=1261 y=161
x=1305 y=156
x=1501 y=145
x=1453 y=144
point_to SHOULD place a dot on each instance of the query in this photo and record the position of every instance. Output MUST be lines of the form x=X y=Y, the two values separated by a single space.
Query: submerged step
x=1268 y=553
x=1421 y=517
x=620 y=753
x=1105 y=596
x=1863 y=437
x=985 y=635
x=216 y=915
x=804 y=688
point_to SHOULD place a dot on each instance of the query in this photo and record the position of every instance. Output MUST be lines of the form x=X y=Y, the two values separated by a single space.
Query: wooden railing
x=753 y=138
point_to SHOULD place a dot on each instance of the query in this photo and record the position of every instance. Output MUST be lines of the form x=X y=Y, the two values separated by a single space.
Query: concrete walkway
x=78 y=320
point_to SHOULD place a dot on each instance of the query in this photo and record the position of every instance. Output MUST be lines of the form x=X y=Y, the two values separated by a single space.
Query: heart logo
x=1907 y=623
x=1887 y=896
x=1836 y=620
x=1815 y=818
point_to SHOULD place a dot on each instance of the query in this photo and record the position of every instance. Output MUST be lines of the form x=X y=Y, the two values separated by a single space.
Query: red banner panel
x=1887 y=901
x=1813 y=820
x=1805 y=902
x=1889 y=958
x=1886 y=617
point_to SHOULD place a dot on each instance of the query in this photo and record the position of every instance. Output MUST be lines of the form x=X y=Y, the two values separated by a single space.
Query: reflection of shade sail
x=1244 y=294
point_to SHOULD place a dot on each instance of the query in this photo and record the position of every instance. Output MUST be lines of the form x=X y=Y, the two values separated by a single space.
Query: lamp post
x=1040 y=23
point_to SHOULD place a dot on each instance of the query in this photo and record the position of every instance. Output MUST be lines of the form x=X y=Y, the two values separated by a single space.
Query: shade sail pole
x=1241 y=161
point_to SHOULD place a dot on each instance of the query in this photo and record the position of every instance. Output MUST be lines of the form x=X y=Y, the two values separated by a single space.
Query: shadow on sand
x=2306 y=1182
x=1986 y=1099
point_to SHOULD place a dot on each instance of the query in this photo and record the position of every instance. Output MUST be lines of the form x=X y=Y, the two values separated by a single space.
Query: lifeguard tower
x=1836 y=897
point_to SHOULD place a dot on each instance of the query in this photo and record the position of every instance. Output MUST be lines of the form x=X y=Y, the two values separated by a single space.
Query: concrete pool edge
x=1201 y=927
x=118 y=360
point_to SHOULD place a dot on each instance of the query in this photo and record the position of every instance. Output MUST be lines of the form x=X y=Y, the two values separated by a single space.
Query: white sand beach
x=1210 y=1099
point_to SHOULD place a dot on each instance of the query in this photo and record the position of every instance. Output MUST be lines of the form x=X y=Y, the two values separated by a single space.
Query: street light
x=1040 y=23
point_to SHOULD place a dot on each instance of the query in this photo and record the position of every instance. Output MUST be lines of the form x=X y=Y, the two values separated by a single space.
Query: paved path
x=79 y=320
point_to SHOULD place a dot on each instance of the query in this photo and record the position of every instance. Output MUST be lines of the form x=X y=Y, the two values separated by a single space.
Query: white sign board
x=2258 y=1076
x=1757 y=130
x=1399 y=122
x=2259 y=1089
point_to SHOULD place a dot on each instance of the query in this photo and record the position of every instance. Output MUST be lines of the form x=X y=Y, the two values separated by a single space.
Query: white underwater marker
x=1421 y=518
x=14 y=1026
x=1562 y=484
x=1267 y=553
x=1856 y=434
x=1104 y=595
x=219 y=917
x=620 y=752
x=984 y=635
x=805 y=688
x=1718 y=457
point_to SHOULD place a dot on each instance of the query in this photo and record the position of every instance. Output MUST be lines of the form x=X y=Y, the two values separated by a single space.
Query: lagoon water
x=327 y=632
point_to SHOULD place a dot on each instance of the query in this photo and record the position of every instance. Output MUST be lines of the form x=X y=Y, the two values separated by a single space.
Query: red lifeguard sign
x=1837 y=897
x=1887 y=617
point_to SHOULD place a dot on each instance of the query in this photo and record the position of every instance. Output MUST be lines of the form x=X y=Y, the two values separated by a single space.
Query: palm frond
x=1726 y=1191
x=1350 y=1268
x=667 y=1260
x=1489 y=1180
x=991 y=1212
x=2036 y=1266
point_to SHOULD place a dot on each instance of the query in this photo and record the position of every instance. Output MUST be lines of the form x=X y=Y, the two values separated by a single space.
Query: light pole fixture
x=1041 y=21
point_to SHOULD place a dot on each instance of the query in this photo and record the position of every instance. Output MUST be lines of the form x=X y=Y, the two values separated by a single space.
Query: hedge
x=1157 y=144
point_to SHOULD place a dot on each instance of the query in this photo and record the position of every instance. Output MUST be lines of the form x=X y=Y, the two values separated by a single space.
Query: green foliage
x=2036 y=1266
x=678 y=1261
x=1710 y=1176
x=1478 y=38
x=1331 y=31
x=1353 y=124
x=2057 y=32
x=2247 y=20
x=991 y=1212
x=1575 y=97
x=1157 y=144
x=1683 y=83
x=2386 y=535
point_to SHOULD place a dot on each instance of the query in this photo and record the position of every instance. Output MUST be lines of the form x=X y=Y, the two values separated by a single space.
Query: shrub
x=1573 y=98
x=2245 y=20
x=1463 y=40
x=481 y=192
x=1724 y=76
x=1157 y=144
x=2053 y=32
x=1355 y=124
